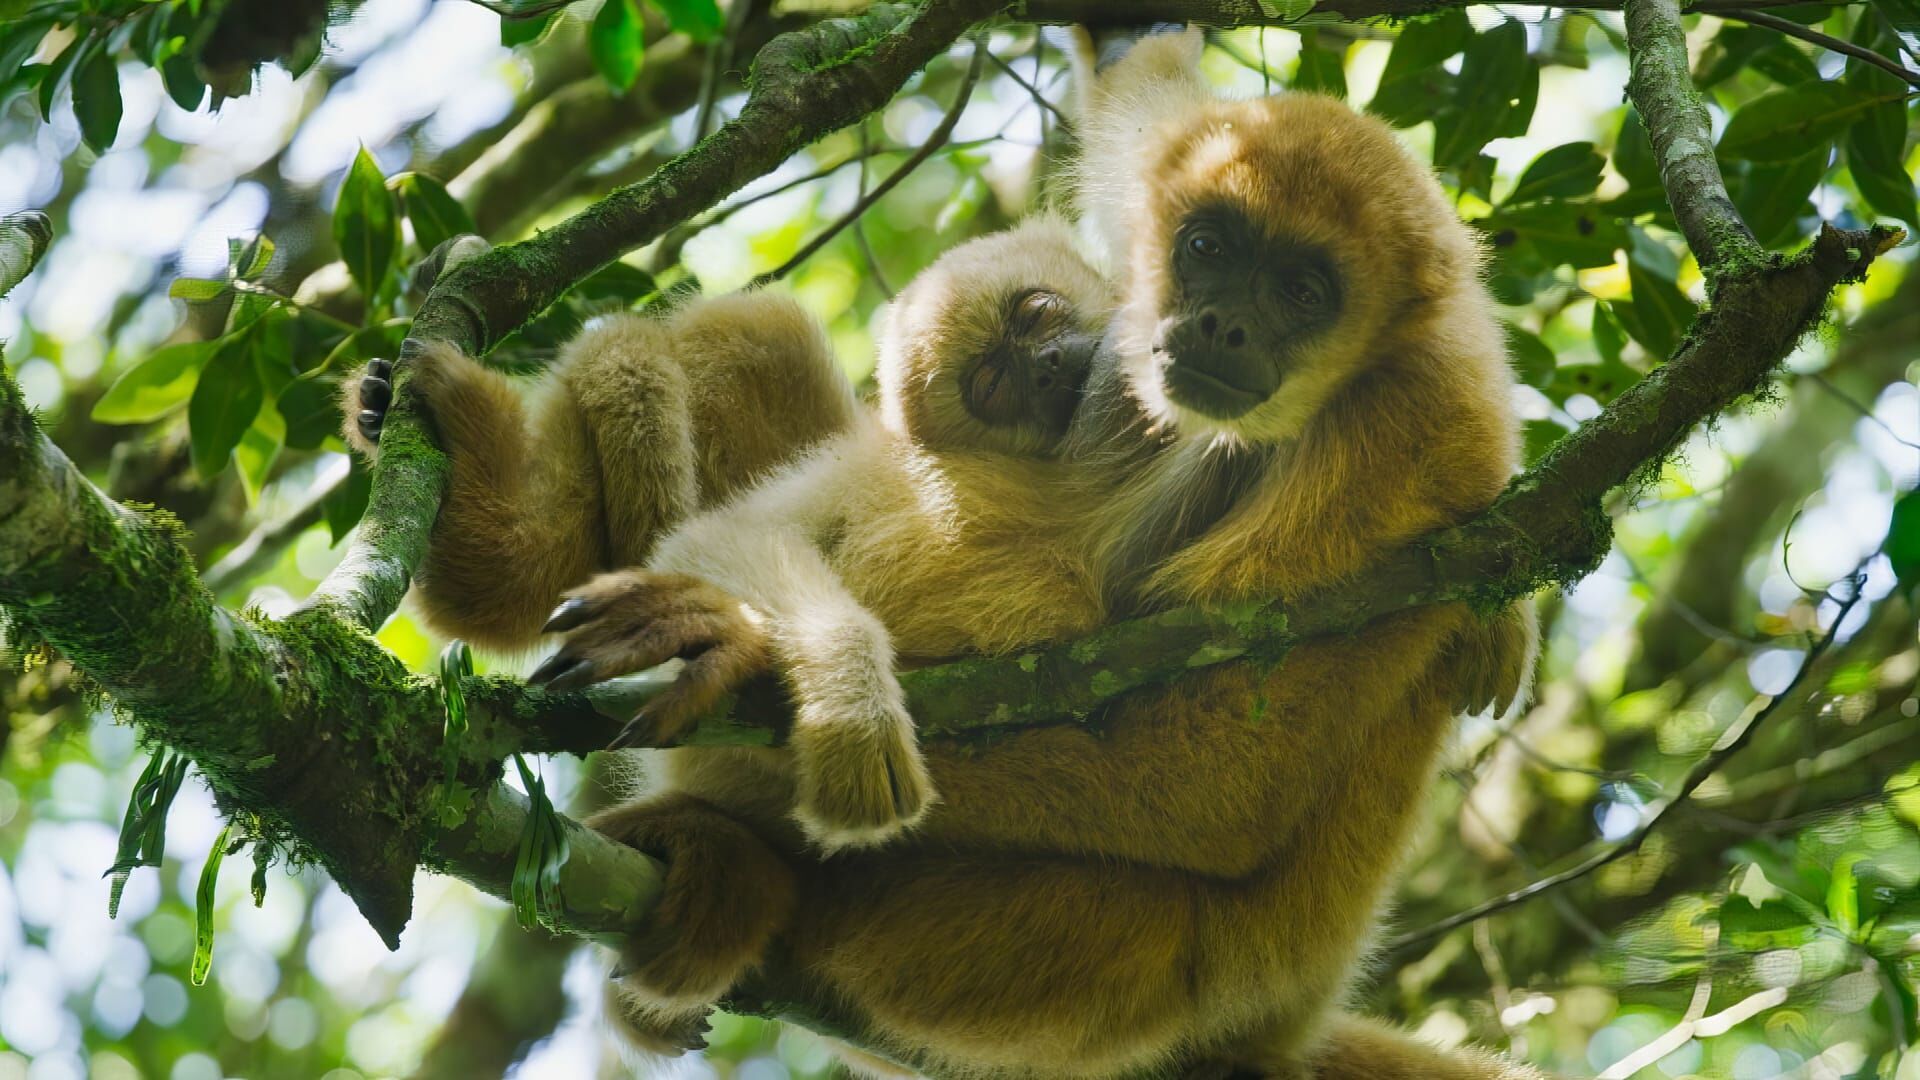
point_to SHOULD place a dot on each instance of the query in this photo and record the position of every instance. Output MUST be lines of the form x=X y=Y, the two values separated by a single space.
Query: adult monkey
x=1182 y=887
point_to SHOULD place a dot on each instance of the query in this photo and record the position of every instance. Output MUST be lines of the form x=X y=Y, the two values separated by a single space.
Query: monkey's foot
x=631 y=620
x=657 y=1030
x=861 y=781
x=725 y=896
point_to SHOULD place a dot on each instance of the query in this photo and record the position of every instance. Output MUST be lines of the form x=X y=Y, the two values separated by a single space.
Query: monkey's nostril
x=1049 y=358
x=1236 y=337
x=1208 y=324
x=1044 y=382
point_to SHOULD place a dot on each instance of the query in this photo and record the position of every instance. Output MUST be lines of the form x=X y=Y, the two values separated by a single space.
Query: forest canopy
x=1695 y=852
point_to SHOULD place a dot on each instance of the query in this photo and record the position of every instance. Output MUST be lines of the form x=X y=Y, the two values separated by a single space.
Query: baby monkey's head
x=990 y=346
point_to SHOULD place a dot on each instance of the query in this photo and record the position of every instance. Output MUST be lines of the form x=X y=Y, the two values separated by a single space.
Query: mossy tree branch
x=308 y=726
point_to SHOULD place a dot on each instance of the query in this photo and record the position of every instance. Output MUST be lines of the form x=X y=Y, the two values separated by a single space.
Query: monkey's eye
x=1304 y=291
x=1204 y=243
x=1034 y=306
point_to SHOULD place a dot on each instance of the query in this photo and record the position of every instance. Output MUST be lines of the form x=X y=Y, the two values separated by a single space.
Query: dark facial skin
x=1033 y=374
x=1243 y=304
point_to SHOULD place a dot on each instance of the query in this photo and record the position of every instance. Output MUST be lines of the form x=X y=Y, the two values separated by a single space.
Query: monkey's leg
x=688 y=410
x=521 y=520
x=726 y=895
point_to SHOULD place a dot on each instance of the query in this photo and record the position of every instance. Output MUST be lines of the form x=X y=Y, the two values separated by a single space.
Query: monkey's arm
x=747 y=585
x=521 y=519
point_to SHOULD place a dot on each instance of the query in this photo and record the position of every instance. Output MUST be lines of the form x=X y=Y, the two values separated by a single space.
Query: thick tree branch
x=1661 y=87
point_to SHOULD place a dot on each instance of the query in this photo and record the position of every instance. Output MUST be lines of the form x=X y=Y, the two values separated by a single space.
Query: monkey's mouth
x=1206 y=393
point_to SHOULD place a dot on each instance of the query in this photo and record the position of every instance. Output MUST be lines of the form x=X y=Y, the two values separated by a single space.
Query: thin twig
x=1823 y=383
x=719 y=58
x=860 y=224
x=861 y=206
x=1696 y=776
x=1824 y=41
x=1039 y=98
x=267 y=541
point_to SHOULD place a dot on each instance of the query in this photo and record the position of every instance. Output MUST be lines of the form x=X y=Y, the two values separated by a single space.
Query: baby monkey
x=911 y=533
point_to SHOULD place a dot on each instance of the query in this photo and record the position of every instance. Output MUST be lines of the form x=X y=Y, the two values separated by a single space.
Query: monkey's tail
x=1359 y=1048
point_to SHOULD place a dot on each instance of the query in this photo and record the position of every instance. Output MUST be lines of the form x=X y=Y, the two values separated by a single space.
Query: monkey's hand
x=366 y=395
x=631 y=620
x=1492 y=659
x=857 y=764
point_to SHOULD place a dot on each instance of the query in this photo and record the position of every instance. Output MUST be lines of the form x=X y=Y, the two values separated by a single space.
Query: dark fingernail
x=380 y=369
x=370 y=425
x=629 y=737
x=571 y=613
x=551 y=667
x=618 y=971
x=574 y=678
x=376 y=393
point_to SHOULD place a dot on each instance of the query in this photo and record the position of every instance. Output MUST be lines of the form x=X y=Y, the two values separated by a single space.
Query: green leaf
x=1609 y=338
x=436 y=215
x=143 y=830
x=1664 y=311
x=196 y=289
x=1903 y=539
x=1633 y=153
x=616 y=44
x=56 y=73
x=262 y=858
x=698 y=19
x=620 y=281
x=365 y=225
x=181 y=77
x=155 y=386
x=1529 y=355
x=1769 y=925
x=223 y=406
x=1495 y=75
x=525 y=31
x=1843 y=896
x=1322 y=70
x=1413 y=85
x=203 y=910
x=1792 y=122
x=258 y=448
x=1771 y=197
x=1567 y=171
x=1905 y=17
x=1538 y=437
x=1602 y=381
x=1561 y=233
x=1876 y=156
x=311 y=410
x=19 y=41
x=253 y=258
x=344 y=507
x=96 y=99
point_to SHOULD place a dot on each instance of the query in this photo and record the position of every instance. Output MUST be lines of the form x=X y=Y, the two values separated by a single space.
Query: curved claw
x=562 y=673
x=370 y=423
x=571 y=613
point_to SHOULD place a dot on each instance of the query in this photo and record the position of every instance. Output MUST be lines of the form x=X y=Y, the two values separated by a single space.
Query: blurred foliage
x=213 y=281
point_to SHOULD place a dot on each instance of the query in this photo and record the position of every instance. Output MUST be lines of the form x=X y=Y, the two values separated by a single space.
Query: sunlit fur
x=641 y=421
x=1186 y=882
x=943 y=316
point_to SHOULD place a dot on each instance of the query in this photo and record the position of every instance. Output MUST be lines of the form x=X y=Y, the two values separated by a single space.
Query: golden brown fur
x=1186 y=883
x=642 y=421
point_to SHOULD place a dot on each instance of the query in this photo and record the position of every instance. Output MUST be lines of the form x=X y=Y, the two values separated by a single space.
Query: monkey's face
x=1280 y=242
x=1242 y=311
x=990 y=347
x=1029 y=377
